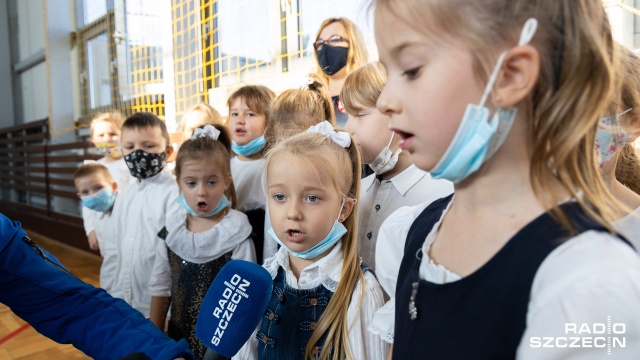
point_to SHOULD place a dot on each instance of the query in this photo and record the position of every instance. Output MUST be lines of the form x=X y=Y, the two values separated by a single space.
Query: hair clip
x=208 y=130
x=325 y=128
x=306 y=83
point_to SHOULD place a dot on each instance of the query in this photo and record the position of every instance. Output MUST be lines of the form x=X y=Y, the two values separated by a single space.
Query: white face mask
x=385 y=161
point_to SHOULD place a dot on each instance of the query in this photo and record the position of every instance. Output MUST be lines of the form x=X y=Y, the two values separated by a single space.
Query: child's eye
x=312 y=198
x=279 y=197
x=128 y=147
x=234 y=114
x=250 y=114
x=190 y=183
x=411 y=73
x=212 y=182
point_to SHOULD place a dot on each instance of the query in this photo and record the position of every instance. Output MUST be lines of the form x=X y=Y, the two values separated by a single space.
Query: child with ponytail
x=295 y=110
x=503 y=97
x=202 y=233
x=323 y=297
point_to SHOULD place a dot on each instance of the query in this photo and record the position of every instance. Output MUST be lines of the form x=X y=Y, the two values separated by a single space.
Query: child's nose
x=388 y=103
x=293 y=212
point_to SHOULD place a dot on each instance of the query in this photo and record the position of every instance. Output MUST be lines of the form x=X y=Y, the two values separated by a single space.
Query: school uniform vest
x=481 y=316
x=290 y=319
x=189 y=285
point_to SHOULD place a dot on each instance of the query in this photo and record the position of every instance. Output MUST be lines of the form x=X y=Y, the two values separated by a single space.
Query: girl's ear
x=227 y=183
x=631 y=124
x=347 y=208
x=114 y=186
x=518 y=77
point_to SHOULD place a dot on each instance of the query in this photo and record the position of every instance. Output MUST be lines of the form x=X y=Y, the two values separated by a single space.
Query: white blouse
x=326 y=272
x=232 y=233
x=588 y=279
x=247 y=180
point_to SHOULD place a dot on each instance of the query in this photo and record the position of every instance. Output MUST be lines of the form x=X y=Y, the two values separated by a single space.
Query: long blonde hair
x=357 y=55
x=343 y=166
x=574 y=84
x=295 y=110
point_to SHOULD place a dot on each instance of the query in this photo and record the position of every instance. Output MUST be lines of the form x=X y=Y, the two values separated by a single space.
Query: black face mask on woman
x=332 y=58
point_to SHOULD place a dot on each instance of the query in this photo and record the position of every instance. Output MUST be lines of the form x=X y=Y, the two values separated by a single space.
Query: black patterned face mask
x=143 y=164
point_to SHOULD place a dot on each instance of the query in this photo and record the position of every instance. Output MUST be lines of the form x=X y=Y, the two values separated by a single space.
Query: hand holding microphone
x=233 y=308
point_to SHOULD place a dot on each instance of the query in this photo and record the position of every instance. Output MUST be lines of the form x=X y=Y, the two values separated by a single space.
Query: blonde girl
x=323 y=296
x=295 y=110
x=502 y=97
x=203 y=232
x=339 y=49
x=197 y=116
x=248 y=118
x=618 y=160
x=105 y=135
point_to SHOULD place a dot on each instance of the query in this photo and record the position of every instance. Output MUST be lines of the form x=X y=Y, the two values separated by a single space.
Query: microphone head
x=233 y=306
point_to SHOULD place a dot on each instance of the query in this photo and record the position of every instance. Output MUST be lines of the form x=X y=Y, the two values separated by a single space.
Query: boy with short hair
x=97 y=191
x=139 y=213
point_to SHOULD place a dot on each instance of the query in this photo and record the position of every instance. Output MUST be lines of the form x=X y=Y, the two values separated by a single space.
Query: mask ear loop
x=528 y=30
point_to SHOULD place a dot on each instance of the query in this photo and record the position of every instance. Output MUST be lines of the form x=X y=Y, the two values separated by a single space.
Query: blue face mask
x=610 y=137
x=222 y=204
x=477 y=139
x=335 y=234
x=100 y=201
x=249 y=148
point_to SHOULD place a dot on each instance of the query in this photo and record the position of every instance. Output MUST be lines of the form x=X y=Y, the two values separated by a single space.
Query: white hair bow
x=208 y=130
x=325 y=128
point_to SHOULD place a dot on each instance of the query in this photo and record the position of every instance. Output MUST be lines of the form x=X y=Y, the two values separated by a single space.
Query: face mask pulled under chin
x=386 y=160
x=478 y=139
x=143 y=165
x=335 y=234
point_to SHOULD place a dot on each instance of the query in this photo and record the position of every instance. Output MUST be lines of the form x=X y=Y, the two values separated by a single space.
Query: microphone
x=233 y=308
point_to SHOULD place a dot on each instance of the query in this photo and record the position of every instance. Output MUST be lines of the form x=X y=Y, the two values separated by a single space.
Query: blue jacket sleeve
x=62 y=307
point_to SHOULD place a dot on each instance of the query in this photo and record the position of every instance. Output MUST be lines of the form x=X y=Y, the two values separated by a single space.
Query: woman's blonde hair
x=628 y=163
x=343 y=167
x=295 y=110
x=111 y=117
x=362 y=87
x=207 y=149
x=357 y=55
x=574 y=83
x=212 y=116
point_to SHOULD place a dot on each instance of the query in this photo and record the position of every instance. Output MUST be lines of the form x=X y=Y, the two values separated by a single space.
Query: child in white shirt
x=203 y=233
x=323 y=297
x=105 y=134
x=248 y=119
x=140 y=212
x=97 y=191
x=396 y=182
